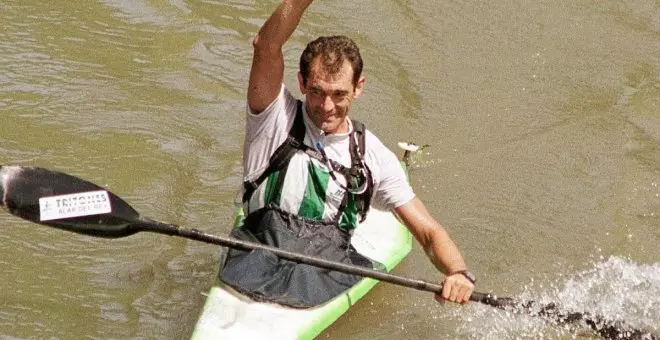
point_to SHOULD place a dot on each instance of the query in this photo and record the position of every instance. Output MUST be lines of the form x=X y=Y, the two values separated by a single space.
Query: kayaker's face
x=329 y=96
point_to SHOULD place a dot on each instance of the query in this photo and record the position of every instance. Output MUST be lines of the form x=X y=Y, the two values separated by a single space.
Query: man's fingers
x=446 y=289
x=455 y=291
x=450 y=290
x=465 y=295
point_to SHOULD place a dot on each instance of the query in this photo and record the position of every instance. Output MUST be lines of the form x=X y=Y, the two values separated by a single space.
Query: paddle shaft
x=197 y=235
x=605 y=328
x=22 y=188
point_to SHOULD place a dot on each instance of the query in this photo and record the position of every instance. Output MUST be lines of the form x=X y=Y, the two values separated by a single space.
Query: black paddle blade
x=607 y=329
x=64 y=201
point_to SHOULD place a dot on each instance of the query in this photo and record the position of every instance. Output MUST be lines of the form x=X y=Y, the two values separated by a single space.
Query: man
x=311 y=173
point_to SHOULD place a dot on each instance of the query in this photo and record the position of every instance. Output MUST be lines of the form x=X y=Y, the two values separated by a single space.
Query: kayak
x=227 y=314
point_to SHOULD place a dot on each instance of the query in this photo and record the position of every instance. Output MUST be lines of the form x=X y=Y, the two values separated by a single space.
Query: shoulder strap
x=357 y=151
x=282 y=154
x=360 y=168
x=298 y=129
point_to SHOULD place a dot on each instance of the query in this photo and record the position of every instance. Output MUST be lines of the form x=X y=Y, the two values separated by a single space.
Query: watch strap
x=468 y=275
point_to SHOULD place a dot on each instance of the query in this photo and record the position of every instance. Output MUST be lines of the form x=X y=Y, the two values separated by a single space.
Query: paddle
x=70 y=203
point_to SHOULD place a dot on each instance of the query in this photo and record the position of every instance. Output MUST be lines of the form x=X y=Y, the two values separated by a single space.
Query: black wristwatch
x=468 y=275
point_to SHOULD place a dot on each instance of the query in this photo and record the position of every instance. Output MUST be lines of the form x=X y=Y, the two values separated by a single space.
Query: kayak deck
x=228 y=314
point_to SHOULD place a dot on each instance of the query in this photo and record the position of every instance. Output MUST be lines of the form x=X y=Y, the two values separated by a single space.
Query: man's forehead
x=330 y=86
x=321 y=77
x=331 y=71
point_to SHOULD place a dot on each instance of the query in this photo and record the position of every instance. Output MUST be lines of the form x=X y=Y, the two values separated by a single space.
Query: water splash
x=615 y=289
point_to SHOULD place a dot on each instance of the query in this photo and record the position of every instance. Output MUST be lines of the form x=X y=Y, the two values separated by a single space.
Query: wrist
x=467 y=274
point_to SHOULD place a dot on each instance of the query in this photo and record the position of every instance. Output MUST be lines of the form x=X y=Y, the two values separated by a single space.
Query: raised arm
x=439 y=247
x=267 y=71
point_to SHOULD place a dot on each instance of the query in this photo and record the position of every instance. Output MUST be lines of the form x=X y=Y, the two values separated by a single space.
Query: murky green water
x=543 y=120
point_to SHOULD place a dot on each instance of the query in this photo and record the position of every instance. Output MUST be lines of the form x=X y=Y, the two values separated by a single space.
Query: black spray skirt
x=261 y=275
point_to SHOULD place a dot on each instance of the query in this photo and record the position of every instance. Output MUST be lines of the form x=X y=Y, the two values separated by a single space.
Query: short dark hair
x=333 y=50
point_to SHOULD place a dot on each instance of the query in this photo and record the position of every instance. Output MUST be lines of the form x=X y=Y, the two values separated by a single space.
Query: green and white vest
x=303 y=181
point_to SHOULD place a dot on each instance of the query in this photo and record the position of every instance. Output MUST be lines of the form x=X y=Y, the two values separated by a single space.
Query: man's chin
x=331 y=127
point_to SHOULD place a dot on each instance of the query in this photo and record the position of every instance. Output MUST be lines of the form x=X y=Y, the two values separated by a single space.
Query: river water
x=543 y=120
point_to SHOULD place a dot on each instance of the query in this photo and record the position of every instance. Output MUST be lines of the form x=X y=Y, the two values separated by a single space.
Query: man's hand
x=455 y=288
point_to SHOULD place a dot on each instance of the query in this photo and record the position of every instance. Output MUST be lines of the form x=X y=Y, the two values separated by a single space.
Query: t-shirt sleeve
x=272 y=117
x=392 y=188
x=265 y=131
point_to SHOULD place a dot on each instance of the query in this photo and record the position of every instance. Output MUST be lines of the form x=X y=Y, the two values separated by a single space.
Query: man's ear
x=301 y=84
x=359 y=87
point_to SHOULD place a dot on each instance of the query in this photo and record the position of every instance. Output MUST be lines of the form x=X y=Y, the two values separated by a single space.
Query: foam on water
x=615 y=289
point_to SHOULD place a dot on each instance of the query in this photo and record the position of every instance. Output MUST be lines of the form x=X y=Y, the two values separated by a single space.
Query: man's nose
x=327 y=104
